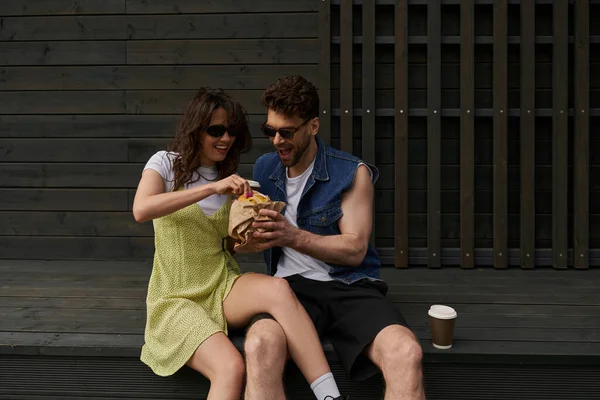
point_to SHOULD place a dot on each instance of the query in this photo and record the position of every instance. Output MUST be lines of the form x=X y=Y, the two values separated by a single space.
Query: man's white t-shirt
x=291 y=261
x=162 y=162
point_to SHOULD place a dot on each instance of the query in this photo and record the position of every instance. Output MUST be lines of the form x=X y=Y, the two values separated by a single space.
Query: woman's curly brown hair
x=193 y=125
x=292 y=95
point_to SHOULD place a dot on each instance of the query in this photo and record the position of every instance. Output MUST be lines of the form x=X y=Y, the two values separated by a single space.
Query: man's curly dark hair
x=292 y=95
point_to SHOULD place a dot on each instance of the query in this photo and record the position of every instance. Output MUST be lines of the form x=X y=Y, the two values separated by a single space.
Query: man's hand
x=281 y=232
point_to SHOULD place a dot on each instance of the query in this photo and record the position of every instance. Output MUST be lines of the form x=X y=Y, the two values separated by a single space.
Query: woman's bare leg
x=257 y=293
x=219 y=361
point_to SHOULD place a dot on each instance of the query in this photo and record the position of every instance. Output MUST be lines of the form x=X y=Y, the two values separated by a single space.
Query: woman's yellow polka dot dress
x=191 y=276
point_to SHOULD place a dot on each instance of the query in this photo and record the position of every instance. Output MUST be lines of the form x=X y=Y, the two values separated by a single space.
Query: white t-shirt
x=162 y=162
x=293 y=262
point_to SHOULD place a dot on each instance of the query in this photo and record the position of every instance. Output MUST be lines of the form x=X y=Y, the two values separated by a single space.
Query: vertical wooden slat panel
x=559 y=133
x=500 y=54
x=325 y=71
x=401 y=134
x=346 y=41
x=467 y=137
x=581 y=142
x=368 y=89
x=528 y=134
x=434 y=132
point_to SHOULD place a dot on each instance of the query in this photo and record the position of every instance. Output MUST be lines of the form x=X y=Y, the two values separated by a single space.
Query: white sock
x=325 y=386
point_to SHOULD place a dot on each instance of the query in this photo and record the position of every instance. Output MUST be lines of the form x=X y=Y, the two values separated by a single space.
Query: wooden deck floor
x=94 y=313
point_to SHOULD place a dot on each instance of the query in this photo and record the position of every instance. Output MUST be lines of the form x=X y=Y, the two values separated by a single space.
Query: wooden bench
x=73 y=330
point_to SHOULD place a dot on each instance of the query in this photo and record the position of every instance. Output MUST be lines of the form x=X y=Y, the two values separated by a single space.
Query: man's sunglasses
x=217 y=131
x=285 y=133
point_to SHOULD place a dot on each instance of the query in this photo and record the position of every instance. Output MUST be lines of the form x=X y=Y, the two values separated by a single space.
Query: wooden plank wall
x=480 y=124
x=468 y=147
x=90 y=90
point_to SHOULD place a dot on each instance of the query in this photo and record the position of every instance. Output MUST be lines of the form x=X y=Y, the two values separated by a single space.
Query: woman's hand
x=233 y=184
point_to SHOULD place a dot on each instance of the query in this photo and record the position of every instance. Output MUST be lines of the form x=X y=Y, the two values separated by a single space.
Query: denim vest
x=319 y=210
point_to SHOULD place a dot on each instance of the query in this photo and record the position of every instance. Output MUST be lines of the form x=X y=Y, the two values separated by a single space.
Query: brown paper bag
x=243 y=213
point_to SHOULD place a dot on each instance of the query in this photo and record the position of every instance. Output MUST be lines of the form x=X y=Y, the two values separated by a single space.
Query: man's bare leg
x=266 y=355
x=398 y=355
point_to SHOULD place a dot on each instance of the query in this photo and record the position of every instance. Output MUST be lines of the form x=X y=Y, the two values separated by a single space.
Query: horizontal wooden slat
x=195 y=26
x=127 y=176
x=455 y=39
x=148 y=77
x=80 y=303
x=81 y=321
x=64 y=199
x=63 y=53
x=417 y=126
x=61 y=7
x=223 y=26
x=132 y=321
x=450 y=177
x=483 y=151
x=72 y=224
x=234 y=51
x=97 y=224
x=174 y=101
x=450 y=227
x=451 y=98
x=77 y=175
x=228 y=77
x=418 y=54
x=448 y=2
x=455 y=112
x=543 y=335
x=221 y=6
x=63 y=28
x=73 y=248
x=112 y=102
x=417 y=72
x=115 y=175
x=99 y=126
x=80 y=102
x=91 y=126
x=140 y=149
x=83 y=268
x=384 y=201
x=64 y=150
x=109 y=278
x=502 y=292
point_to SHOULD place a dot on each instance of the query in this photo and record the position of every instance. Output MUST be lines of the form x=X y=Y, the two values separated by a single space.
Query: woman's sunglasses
x=285 y=133
x=217 y=131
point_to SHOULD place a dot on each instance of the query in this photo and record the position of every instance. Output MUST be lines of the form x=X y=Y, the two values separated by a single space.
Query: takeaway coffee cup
x=441 y=320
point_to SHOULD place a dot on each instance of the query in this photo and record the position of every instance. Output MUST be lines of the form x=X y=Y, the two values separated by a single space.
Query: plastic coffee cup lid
x=442 y=312
x=253 y=184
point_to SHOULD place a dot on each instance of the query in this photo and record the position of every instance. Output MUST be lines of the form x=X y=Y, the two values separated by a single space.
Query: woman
x=196 y=290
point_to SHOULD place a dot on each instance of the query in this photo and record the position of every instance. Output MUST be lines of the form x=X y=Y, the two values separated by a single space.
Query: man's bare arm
x=348 y=248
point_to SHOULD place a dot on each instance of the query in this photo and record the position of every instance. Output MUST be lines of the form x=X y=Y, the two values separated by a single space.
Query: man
x=320 y=245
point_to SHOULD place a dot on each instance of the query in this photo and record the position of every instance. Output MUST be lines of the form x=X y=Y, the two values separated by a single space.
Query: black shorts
x=350 y=316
